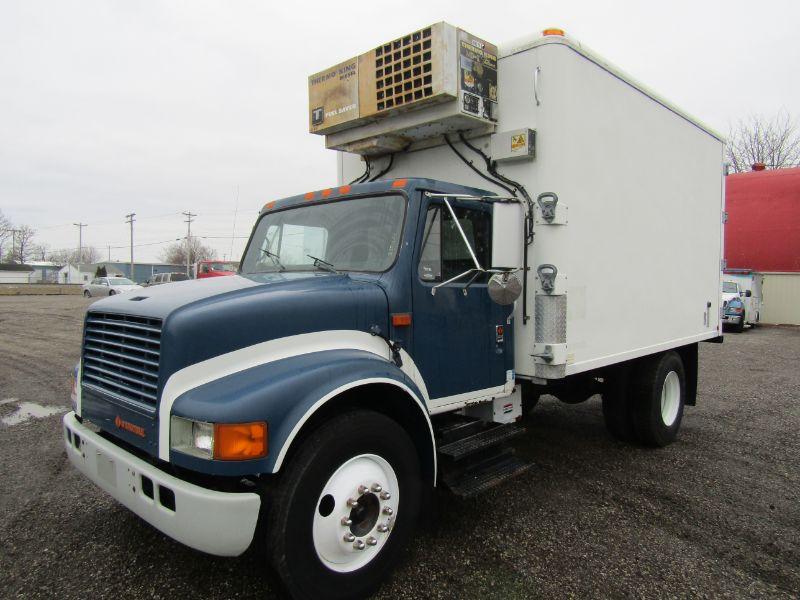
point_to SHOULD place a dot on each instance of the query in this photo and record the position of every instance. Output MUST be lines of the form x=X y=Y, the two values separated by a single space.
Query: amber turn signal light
x=240 y=441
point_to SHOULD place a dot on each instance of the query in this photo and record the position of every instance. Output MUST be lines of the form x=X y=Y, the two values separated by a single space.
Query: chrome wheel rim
x=670 y=398
x=355 y=513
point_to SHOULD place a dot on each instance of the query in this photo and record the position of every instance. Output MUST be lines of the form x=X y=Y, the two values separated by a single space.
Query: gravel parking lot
x=715 y=514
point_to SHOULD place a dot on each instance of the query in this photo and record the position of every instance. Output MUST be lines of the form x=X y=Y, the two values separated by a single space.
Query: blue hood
x=209 y=317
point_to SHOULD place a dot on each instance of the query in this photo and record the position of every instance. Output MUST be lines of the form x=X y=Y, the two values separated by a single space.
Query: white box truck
x=507 y=222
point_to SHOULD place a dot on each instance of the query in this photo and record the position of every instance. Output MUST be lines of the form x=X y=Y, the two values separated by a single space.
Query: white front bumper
x=221 y=523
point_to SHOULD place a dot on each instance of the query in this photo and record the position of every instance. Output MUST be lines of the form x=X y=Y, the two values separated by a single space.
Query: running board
x=487 y=474
x=472 y=444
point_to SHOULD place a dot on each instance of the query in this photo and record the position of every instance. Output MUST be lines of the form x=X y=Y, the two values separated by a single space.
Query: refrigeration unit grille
x=404 y=70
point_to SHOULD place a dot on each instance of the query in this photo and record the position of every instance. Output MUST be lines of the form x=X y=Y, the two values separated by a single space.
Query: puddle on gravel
x=27 y=411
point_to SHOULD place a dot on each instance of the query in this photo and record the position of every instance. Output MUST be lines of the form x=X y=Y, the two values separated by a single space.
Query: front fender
x=285 y=393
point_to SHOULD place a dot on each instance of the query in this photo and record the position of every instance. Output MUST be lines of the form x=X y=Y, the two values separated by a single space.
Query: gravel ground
x=715 y=514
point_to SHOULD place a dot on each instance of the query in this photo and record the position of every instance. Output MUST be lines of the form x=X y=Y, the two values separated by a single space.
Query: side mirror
x=748 y=293
x=508 y=221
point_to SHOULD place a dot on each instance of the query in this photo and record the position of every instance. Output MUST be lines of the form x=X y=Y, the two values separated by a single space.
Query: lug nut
x=362 y=489
x=383 y=528
x=351 y=502
x=348 y=537
x=385 y=495
x=387 y=510
x=359 y=545
x=371 y=541
x=376 y=487
x=346 y=522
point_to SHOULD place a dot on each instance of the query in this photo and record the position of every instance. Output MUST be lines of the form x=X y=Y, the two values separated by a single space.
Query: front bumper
x=221 y=523
x=736 y=319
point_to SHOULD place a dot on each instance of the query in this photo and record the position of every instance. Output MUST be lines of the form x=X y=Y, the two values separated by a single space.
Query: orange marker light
x=399 y=183
x=326 y=193
x=240 y=441
x=269 y=205
x=309 y=196
x=345 y=189
x=553 y=31
x=401 y=319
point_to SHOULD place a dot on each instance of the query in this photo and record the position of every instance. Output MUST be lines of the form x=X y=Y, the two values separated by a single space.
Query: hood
x=728 y=296
x=208 y=317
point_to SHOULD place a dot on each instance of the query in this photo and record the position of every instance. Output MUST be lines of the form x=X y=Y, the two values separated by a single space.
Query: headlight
x=221 y=441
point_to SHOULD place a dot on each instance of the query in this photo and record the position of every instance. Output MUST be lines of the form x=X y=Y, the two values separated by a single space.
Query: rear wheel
x=739 y=328
x=86 y=294
x=659 y=397
x=111 y=292
x=345 y=507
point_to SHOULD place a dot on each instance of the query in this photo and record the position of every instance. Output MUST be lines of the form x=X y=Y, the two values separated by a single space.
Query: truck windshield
x=729 y=287
x=360 y=234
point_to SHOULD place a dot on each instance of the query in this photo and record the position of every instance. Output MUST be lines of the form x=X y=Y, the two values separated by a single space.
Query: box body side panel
x=639 y=255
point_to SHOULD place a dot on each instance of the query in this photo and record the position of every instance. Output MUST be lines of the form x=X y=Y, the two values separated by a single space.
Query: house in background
x=15 y=273
x=763 y=235
x=44 y=271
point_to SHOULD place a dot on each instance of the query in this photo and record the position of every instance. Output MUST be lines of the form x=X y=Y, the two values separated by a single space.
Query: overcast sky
x=110 y=107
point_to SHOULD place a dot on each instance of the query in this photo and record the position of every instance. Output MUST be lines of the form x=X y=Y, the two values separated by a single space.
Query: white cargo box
x=637 y=234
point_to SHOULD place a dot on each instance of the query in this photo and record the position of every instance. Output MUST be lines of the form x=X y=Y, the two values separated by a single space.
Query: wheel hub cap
x=355 y=513
x=670 y=398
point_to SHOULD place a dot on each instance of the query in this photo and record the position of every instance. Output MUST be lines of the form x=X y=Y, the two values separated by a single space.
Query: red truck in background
x=215 y=268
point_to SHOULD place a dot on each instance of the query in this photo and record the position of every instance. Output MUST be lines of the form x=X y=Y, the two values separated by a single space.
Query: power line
x=130 y=219
x=80 y=227
x=189 y=215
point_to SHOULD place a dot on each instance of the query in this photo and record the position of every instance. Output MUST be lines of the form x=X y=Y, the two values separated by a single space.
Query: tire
x=87 y=294
x=659 y=397
x=111 y=293
x=739 y=327
x=304 y=534
x=617 y=409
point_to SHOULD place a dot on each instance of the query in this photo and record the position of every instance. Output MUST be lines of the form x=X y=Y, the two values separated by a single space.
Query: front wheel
x=344 y=507
x=659 y=397
x=86 y=294
x=111 y=292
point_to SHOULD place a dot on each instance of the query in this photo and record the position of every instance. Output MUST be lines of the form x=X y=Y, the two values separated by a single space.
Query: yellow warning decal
x=518 y=141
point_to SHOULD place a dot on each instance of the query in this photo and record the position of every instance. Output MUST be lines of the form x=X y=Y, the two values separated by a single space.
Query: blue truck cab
x=203 y=405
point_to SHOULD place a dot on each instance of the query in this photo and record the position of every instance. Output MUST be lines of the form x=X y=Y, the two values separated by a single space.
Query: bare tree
x=6 y=232
x=176 y=253
x=87 y=256
x=23 y=244
x=39 y=252
x=772 y=142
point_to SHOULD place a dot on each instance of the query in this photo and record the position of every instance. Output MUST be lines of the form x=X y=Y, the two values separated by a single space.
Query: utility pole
x=14 y=233
x=80 y=227
x=129 y=219
x=188 y=222
x=109 y=254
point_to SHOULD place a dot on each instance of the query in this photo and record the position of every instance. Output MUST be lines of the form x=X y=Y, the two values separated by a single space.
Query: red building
x=763 y=229
x=763 y=235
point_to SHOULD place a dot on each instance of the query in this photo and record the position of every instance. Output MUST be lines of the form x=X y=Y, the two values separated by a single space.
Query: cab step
x=476 y=442
x=486 y=474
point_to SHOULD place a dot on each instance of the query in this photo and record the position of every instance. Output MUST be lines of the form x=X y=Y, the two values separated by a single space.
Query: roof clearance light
x=398 y=183
x=345 y=189
x=326 y=193
x=553 y=31
x=269 y=205
x=309 y=195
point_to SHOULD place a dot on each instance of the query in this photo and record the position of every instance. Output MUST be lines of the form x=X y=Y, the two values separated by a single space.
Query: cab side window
x=444 y=254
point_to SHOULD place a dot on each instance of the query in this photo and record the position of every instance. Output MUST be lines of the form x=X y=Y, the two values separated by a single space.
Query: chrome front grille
x=120 y=356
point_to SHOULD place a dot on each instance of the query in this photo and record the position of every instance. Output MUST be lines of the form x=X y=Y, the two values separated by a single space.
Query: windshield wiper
x=324 y=265
x=275 y=258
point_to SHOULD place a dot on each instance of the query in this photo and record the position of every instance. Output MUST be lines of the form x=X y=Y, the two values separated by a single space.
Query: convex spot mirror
x=504 y=288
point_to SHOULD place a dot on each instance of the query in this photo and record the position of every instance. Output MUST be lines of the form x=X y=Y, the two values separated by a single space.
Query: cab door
x=460 y=341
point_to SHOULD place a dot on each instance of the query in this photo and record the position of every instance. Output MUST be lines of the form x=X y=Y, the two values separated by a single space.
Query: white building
x=15 y=273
